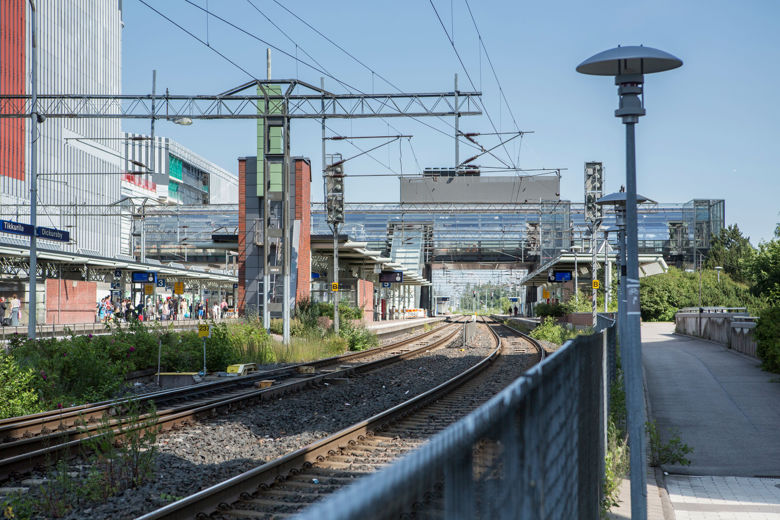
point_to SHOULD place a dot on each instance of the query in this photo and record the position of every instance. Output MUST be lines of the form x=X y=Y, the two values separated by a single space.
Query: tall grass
x=307 y=348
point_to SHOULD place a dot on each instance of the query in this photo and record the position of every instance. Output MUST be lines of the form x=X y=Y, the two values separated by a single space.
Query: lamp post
x=628 y=65
x=718 y=269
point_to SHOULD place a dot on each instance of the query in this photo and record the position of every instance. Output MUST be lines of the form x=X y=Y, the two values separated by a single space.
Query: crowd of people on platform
x=166 y=309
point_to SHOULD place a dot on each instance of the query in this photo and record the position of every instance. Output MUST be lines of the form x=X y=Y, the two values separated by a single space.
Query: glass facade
x=526 y=232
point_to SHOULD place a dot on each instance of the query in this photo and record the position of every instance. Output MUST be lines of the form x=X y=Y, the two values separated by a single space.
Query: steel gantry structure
x=275 y=99
x=299 y=99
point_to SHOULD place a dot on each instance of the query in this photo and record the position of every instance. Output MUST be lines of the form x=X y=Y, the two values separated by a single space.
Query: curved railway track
x=291 y=483
x=29 y=441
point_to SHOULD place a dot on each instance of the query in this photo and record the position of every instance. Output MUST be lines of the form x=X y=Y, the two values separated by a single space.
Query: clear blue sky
x=711 y=128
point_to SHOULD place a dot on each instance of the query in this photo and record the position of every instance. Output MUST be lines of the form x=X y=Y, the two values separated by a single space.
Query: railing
x=535 y=450
x=61 y=330
x=730 y=326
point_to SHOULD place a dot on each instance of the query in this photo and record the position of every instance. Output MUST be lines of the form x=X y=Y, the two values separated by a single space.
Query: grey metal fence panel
x=533 y=451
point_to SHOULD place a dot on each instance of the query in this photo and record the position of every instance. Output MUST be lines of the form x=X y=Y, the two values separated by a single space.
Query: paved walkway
x=726 y=408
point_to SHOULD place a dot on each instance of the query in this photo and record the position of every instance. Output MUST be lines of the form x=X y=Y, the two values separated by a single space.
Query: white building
x=79 y=52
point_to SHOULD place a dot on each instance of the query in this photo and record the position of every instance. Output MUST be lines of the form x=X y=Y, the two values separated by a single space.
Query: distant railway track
x=291 y=483
x=29 y=441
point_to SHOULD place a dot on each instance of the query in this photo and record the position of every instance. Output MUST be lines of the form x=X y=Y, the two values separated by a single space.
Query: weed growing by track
x=119 y=457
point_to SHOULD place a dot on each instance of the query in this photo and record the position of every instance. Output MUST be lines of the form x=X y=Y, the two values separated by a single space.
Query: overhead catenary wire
x=371 y=70
x=492 y=68
x=468 y=76
x=259 y=39
x=321 y=70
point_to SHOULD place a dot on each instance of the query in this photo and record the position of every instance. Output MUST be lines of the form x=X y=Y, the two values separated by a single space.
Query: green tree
x=732 y=251
x=766 y=271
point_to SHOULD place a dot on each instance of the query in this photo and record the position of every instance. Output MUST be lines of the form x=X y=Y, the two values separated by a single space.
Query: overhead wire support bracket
x=304 y=101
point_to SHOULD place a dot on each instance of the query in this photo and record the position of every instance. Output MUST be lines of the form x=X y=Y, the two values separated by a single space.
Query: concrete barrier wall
x=732 y=329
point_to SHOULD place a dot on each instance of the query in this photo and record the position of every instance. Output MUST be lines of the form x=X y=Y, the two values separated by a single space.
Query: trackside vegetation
x=53 y=373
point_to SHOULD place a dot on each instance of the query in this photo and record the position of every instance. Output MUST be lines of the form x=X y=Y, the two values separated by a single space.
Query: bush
x=358 y=338
x=16 y=394
x=549 y=309
x=550 y=331
x=662 y=295
x=346 y=311
x=767 y=335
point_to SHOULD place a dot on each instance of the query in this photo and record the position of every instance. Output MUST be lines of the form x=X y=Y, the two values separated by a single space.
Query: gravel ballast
x=206 y=453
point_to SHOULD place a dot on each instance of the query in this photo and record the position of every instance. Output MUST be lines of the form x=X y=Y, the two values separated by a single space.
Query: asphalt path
x=720 y=402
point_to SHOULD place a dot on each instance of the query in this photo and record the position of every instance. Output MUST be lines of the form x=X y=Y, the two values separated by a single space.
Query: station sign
x=117 y=274
x=115 y=285
x=52 y=234
x=161 y=282
x=596 y=284
x=513 y=299
x=17 y=228
x=148 y=289
x=334 y=287
x=545 y=293
x=386 y=285
x=314 y=276
x=178 y=288
x=562 y=276
x=145 y=277
x=235 y=286
x=391 y=276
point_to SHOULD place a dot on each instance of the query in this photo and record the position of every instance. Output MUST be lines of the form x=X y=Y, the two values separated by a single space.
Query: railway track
x=31 y=440
x=291 y=483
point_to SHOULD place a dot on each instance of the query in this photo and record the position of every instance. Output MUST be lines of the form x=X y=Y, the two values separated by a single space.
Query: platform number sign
x=334 y=287
x=204 y=330
x=595 y=284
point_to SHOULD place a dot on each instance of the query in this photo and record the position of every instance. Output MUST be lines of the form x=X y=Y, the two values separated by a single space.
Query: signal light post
x=334 y=197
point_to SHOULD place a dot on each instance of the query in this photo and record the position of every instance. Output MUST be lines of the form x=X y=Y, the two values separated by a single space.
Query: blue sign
x=385 y=284
x=17 y=228
x=562 y=276
x=52 y=234
x=117 y=273
x=161 y=282
x=115 y=285
x=314 y=276
x=145 y=277
x=235 y=286
x=513 y=299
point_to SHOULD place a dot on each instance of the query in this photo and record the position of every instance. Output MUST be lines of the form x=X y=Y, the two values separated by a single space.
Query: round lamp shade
x=628 y=60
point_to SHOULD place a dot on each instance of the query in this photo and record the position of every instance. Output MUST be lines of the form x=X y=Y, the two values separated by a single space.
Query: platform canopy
x=357 y=254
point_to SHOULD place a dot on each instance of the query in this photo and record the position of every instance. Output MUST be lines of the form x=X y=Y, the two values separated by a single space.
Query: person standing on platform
x=16 y=311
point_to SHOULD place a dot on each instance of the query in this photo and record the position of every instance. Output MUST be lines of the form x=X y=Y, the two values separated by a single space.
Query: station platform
x=727 y=409
x=386 y=327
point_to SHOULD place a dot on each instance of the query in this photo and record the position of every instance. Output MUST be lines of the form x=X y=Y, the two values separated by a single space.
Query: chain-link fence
x=535 y=450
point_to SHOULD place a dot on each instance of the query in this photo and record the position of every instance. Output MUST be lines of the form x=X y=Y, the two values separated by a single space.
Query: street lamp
x=718 y=269
x=628 y=65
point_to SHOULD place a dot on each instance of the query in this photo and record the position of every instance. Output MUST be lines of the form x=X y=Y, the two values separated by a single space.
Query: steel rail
x=27 y=453
x=51 y=420
x=201 y=504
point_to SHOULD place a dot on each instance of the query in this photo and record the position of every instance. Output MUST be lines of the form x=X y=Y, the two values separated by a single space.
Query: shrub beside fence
x=535 y=450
